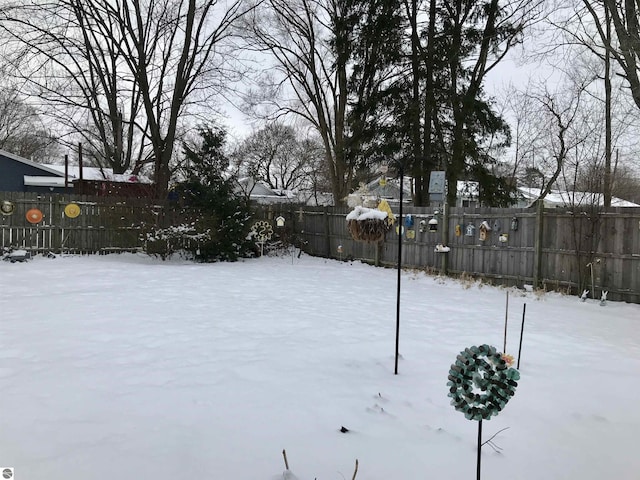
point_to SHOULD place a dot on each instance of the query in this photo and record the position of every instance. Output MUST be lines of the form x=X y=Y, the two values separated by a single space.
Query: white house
x=567 y=198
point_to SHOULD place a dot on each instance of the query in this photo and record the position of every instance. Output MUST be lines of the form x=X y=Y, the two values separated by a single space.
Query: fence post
x=537 y=244
x=327 y=236
x=445 y=237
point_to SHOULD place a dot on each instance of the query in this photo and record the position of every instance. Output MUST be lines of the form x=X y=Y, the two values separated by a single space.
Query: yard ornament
x=481 y=382
x=34 y=216
x=7 y=207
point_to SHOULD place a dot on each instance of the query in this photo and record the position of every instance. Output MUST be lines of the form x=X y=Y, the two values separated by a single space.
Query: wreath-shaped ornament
x=481 y=382
x=262 y=230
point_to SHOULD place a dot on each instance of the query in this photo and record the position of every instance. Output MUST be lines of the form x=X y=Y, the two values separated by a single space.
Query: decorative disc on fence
x=262 y=230
x=72 y=210
x=7 y=207
x=34 y=216
x=481 y=382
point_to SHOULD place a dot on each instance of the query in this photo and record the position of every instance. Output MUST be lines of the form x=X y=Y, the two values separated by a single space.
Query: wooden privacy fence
x=554 y=249
x=103 y=224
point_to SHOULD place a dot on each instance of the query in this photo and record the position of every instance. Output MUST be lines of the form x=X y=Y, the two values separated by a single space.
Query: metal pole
x=399 y=269
x=524 y=310
x=479 y=449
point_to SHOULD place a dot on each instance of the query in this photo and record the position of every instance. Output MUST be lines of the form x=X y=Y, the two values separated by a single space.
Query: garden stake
x=524 y=310
x=506 y=316
x=479 y=448
x=399 y=269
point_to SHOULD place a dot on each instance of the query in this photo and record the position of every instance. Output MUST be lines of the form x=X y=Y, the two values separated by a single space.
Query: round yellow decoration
x=72 y=210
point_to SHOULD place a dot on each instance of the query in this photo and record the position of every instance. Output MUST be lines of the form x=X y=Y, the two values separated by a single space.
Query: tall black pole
x=479 y=449
x=524 y=310
x=399 y=268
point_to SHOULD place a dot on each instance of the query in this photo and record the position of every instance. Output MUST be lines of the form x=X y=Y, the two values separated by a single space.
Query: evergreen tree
x=210 y=201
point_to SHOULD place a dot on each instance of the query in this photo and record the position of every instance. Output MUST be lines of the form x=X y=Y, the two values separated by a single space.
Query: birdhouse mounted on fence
x=433 y=225
x=514 y=223
x=484 y=230
x=470 y=230
x=280 y=221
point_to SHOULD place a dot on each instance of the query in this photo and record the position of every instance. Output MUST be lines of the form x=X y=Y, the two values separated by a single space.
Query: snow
x=363 y=213
x=125 y=366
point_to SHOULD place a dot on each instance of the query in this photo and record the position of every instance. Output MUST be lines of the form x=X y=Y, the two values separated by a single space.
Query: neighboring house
x=566 y=198
x=388 y=189
x=261 y=194
x=17 y=174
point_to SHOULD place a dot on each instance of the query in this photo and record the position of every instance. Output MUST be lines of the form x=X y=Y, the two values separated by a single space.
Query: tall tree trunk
x=607 y=102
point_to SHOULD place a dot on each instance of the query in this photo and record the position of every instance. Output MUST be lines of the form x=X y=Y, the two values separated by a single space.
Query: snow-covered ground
x=126 y=367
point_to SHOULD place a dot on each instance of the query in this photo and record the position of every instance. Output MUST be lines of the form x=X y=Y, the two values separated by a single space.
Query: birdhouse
x=280 y=221
x=470 y=230
x=503 y=237
x=514 y=223
x=408 y=221
x=433 y=225
x=484 y=229
x=423 y=226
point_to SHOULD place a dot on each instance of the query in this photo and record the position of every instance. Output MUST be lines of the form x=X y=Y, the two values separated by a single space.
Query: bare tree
x=158 y=57
x=61 y=56
x=22 y=131
x=276 y=156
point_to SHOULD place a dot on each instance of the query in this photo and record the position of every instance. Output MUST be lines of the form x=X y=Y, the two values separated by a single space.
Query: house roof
x=40 y=166
x=95 y=173
x=568 y=198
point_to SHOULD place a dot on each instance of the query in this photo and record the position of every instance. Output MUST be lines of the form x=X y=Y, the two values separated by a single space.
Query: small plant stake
x=506 y=319
x=481 y=382
x=524 y=310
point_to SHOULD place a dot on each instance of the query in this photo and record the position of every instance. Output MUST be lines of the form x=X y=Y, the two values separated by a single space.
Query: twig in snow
x=489 y=442
x=356 y=471
x=286 y=463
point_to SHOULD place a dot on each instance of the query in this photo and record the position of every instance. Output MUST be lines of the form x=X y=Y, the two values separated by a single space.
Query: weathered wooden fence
x=554 y=249
x=104 y=224
x=564 y=250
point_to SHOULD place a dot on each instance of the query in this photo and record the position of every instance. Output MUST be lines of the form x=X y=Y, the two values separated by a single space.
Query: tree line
x=337 y=87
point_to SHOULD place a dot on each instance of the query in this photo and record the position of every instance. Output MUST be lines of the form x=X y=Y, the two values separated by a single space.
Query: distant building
x=18 y=174
x=527 y=196
x=388 y=189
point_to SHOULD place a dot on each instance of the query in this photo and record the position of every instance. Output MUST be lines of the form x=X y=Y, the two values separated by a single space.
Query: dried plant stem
x=286 y=462
x=356 y=471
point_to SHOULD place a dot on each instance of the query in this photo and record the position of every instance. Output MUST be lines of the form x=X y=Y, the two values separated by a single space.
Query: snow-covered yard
x=125 y=367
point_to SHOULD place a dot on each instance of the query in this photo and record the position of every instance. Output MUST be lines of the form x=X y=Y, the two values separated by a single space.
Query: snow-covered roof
x=568 y=198
x=95 y=173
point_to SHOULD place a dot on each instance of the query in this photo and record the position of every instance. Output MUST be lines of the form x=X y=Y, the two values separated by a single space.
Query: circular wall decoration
x=7 y=207
x=72 y=210
x=481 y=382
x=34 y=215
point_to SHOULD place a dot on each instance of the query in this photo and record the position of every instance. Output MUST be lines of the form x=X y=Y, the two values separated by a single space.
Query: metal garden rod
x=524 y=310
x=399 y=269
x=479 y=449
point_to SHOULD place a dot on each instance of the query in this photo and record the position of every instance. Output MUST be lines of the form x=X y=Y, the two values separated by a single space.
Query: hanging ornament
x=34 y=216
x=72 y=210
x=7 y=207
